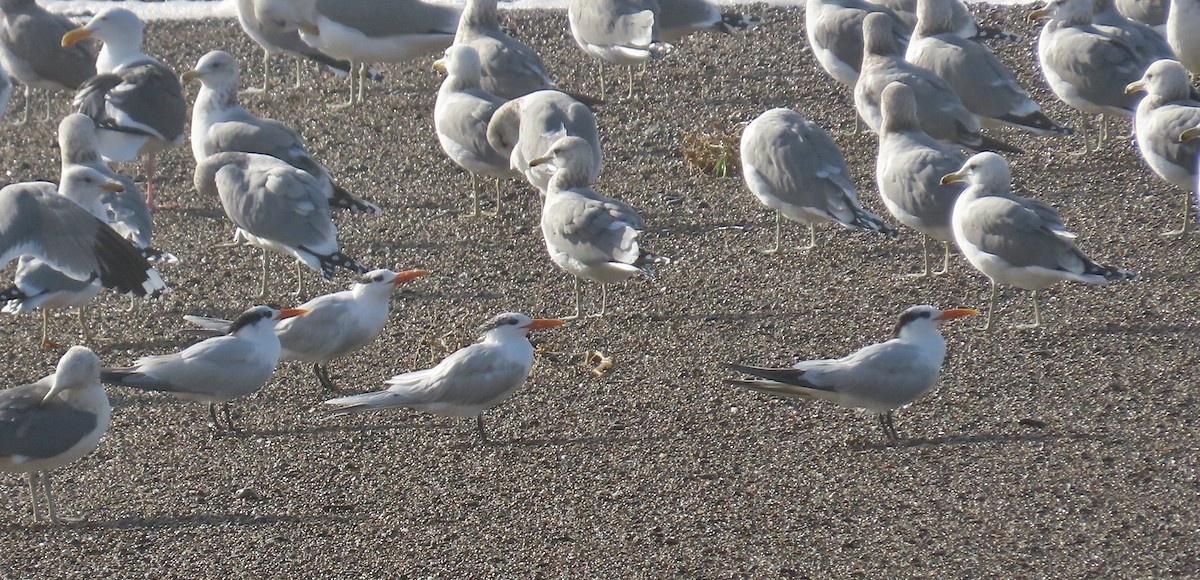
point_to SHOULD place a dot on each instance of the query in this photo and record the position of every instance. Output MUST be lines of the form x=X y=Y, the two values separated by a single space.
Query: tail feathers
x=989 y=33
x=1038 y=123
x=157 y=256
x=214 y=324
x=787 y=376
x=731 y=22
x=866 y=220
x=338 y=260
x=343 y=199
x=996 y=146
x=367 y=402
x=1110 y=273
x=130 y=377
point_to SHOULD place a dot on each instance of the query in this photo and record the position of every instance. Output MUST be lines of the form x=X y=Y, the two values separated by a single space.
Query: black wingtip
x=12 y=293
x=996 y=146
x=731 y=22
x=1038 y=123
x=339 y=260
x=343 y=199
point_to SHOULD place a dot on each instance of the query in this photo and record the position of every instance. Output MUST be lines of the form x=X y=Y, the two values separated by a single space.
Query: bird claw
x=1180 y=233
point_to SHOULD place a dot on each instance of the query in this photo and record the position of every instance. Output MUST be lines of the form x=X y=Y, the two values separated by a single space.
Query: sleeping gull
x=220 y=124
x=879 y=378
x=909 y=170
x=793 y=167
x=985 y=86
x=1015 y=240
x=460 y=117
x=962 y=22
x=523 y=129
x=1163 y=115
x=510 y=68
x=588 y=235
x=467 y=383
x=135 y=100
x=943 y=115
x=621 y=32
x=336 y=325
x=53 y=422
x=834 y=29
x=214 y=371
x=277 y=39
x=275 y=207
x=31 y=52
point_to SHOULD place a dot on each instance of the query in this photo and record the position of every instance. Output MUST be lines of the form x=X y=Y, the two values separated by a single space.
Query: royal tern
x=31 y=52
x=53 y=422
x=621 y=32
x=792 y=166
x=879 y=378
x=525 y=128
x=834 y=29
x=1015 y=240
x=468 y=382
x=509 y=67
x=214 y=371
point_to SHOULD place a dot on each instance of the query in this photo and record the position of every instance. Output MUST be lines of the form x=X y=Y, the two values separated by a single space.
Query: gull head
x=110 y=25
x=78 y=369
x=566 y=153
x=877 y=35
x=86 y=186
x=217 y=69
x=462 y=62
x=77 y=139
x=1070 y=11
x=1165 y=79
x=983 y=169
x=515 y=322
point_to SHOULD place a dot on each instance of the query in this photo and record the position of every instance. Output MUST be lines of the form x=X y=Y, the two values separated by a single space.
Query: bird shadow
x=1147 y=329
x=588 y=441
x=977 y=439
x=174 y=521
x=360 y=428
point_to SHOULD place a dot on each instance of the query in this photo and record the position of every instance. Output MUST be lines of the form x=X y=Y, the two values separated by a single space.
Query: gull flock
x=921 y=74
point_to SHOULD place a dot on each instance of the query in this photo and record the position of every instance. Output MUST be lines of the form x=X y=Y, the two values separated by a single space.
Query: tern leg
x=479 y=427
x=778 y=230
x=1186 y=228
x=945 y=259
x=323 y=378
x=991 y=306
x=49 y=497
x=31 y=477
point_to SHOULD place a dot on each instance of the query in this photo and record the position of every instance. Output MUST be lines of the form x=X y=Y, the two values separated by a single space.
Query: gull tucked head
x=79 y=368
x=877 y=35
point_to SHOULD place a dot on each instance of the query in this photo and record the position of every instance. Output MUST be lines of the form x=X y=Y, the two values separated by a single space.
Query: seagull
x=36 y=220
x=879 y=378
x=985 y=86
x=280 y=39
x=1163 y=115
x=1183 y=20
x=336 y=325
x=909 y=170
x=621 y=32
x=220 y=125
x=461 y=115
x=588 y=235
x=1152 y=13
x=943 y=115
x=31 y=53
x=275 y=207
x=510 y=68
x=135 y=100
x=214 y=371
x=525 y=128
x=679 y=18
x=53 y=422
x=962 y=21
x=371 y=31
x=5 y=91
x=793 y=167
x=1150 y=43
x=468 y=382
x=1015 y=240
x=834 y=29
x=1086 y=67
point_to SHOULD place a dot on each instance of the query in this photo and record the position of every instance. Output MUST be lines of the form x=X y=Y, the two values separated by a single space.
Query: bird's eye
x=378 y=278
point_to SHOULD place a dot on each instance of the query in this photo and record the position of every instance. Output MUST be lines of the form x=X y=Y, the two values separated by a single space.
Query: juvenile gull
x=467 y=383
x=793 y=167
x=135 y=100
x=510 y=68
x=986 y=87
x=461 y=115
x=220 y=124
x=53 y=422
x=909 y=171
x=524 y=129
x=1163 y=115
x=879 y=378
x=214 y=371
x=835 y=35
x=30 y=51
x=276 y=38
x=1015 y=240
x=621 y=32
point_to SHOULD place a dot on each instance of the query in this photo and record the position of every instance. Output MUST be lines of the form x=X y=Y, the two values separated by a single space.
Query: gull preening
x=1166 y=111
x=525 y=128
x=879 y=378
x=31 y=52
x=53 y=422
x=467 y=383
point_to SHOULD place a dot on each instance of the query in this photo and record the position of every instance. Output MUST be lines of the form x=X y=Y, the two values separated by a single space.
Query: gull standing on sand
x=275 y=207
x=1183 y=22
x=835 y=35
x=588 y=235
x=510 y=68
x=280 y=39
x=31 y=52
x=460 y=117
x=53 y=422
x=1015 y=240
x=793 y=167
x=986 y=87
x=943 y=115
x=372 y=31
x=214 y=371
x=467 y=383
x=879 y=378
x=962 y=21
x=621 y=32
x=135 y=100
x=1086 y=67
x=1150 y=43
x=909 y=171
x=220 y=124
x=525 y=128
x=336 y=325
x=1152 y=13
x=679 y=18
x=1163 y=115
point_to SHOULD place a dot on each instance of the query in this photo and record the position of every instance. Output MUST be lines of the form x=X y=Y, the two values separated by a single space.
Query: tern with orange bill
x=879 y=378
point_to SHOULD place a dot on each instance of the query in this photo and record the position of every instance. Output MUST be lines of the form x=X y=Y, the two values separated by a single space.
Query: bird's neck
x=114 y=55
x=478 y=14
x=216 y=98
x=78 y=152
x=567 y=178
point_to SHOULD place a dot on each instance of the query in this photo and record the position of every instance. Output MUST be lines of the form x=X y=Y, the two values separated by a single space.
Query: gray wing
x=5 y=91
x=798 y=163
x=33 y=429
x=591 y=228
x=34 y=37
x=1021 y=234
x=36 y=220
x=127 y=209
x=377 y=18
x=511 y=68
x=615 y=22
x=143 y=99
x=264 y=136
x=910 y=171
x=280 y=38
x=1165 y=125
x=1098 y=66
x=981 y=81
x=677 y=18
x=462 y=117
x=273 y=200
x=34 y=277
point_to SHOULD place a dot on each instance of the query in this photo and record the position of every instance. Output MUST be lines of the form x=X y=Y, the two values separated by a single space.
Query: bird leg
x=49 y=108
x=28 y=100
x=991 y=307
x=496 y=211
x=148 y=169
x=925 y=257
x=889 y=426
x=1186 y=228
x=229 y=419
x=778 y=229
x=265 y=262
x=351 y=102
x=133 y=304
x=602 y=95
x=1103 y=131
x=299 y=71
x=630 y=95
x=812 y=238
x=324 y=378
x=212 y=412
x=362 y=82
x=45 y=330
x=474 y=197
x=87 y=331
x=578 y=300
x=945 y=259
x=49 y=497
x=299 y=279
x=479 y=427
x=266 y=76
x=31 y=477
x=1037 y=314
x=603 y=301
x=1083 y=132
